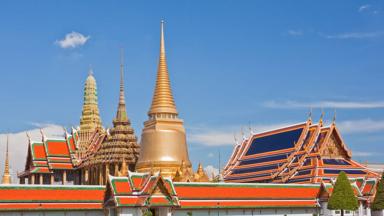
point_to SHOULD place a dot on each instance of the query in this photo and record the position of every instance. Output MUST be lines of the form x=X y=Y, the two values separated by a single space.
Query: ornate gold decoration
x=120 y=147
x=163 y=142
x=200 y=175
x=7 y=176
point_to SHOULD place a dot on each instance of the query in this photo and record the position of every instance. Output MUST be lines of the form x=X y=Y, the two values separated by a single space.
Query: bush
x=378 y=202
x=343 y=197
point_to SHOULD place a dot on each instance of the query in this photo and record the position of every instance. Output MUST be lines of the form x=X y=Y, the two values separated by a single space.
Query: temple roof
x=304 y=152
x=140 y=189
x=51 y=197
x=51 y=154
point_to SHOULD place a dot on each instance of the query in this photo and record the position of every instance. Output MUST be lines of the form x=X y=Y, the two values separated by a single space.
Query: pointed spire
x=334 y=117
x=7 y=176
x=121 y=114
x=310 y=114
x=124 y=168
x=321 y=121
x=162 y=101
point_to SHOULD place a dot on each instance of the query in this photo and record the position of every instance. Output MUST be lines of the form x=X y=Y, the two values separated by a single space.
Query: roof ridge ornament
x=310 y=114
x=334 y=117
x=321 y=121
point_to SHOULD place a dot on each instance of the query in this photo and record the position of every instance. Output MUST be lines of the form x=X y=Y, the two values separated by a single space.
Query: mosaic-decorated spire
x=90 y=118
x=7 y=176
x=162 y=101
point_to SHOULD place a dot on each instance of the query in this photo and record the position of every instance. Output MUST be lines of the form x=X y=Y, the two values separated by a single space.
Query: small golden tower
x=90 y=119
x=7 y=176
x=163 y=143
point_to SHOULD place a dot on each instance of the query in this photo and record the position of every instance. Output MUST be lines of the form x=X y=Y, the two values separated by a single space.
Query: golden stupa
x=163 y=141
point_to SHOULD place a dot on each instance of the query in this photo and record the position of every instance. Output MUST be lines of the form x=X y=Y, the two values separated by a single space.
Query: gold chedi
x=7 y=176
x=163 y=141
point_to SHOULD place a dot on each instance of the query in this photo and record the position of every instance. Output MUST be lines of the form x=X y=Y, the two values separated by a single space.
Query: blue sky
x=232 y=64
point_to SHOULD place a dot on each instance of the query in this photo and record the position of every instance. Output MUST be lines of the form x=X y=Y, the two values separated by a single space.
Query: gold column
x=64 y=177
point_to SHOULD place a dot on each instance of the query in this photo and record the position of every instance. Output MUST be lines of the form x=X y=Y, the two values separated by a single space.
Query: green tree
x=378 y=202
x=343 y=197
x=147 y=212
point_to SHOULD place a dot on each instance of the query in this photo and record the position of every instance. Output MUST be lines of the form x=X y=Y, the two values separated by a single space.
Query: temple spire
x=90 y=119
x=162 y=101
x=121 y=109
x=7 y=176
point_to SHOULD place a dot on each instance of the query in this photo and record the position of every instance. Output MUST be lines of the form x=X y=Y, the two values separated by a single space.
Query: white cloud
x=361 y=126
x=362 y=154
x=18 y=145
x=225 y=136
x=72 y=40
x=356 y=35
x=295 y=32
x=364 y=7
x=325 y=104
x=209 y=170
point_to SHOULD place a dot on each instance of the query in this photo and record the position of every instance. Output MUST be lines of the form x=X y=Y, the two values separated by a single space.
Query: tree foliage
x=343 y=197
x=378 y=202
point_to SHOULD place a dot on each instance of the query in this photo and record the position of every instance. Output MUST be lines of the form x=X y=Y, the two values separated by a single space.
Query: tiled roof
x=301 y=153
x=51 y=154
x=158 y=191
x=50 y=197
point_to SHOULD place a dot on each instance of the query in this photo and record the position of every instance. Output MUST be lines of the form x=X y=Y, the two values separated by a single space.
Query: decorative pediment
x=333 y=146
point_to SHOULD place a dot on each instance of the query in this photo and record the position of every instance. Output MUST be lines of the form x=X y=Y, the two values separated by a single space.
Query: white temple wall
x=248 y=212
x=54 y=213
x=214 y=212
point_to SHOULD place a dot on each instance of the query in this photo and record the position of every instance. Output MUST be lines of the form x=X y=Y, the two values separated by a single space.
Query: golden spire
x=334 y=117
x=162 y=101
x=7 y=176
x=321 y=122
x=310 y=114
x=121 y=109
x=124 y=169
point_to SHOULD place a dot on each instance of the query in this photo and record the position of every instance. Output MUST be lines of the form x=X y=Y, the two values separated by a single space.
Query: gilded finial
x=162 y=101
x=334 y=117
x=250 y=128
x=321 y=121
x=310 y=114
x=7 y=176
